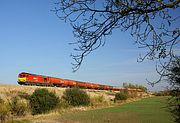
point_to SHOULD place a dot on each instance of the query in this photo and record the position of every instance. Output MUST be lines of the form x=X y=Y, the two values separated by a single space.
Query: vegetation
x=24 y=95
x=173 y=74
x=42 y=101
x=15 y=107
x=163 y=93
x=24 y=103
x=152 y=23
x=4 y=111
x=135 y=86
x=122 y=95
x=62 y=106
x=76 y=97
x=149 y=110
x=18 y=107
x=98 y=101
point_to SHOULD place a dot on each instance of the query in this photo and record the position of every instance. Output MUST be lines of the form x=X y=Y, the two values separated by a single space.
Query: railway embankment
x=98 y=99
x=7 y=91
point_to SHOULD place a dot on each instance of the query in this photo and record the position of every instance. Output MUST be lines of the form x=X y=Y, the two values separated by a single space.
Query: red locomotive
x=34 y=79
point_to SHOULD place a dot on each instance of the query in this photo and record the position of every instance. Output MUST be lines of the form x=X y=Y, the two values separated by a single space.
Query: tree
x=125 y=85
x=173 y=74
x=135 y=86
x=153 y=24
x=150 y=22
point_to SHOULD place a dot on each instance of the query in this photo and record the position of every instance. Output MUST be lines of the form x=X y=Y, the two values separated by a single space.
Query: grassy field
x=150 y=110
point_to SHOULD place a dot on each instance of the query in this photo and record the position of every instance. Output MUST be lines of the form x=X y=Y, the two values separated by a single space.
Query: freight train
x=40 y=80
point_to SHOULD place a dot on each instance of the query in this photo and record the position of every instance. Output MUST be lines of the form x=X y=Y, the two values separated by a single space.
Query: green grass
x=150 y=110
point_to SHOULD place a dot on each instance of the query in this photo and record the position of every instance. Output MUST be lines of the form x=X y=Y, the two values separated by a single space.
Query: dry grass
x=7 y=91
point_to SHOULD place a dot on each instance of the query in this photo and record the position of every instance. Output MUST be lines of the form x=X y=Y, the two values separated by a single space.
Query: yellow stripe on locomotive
x=22 y=79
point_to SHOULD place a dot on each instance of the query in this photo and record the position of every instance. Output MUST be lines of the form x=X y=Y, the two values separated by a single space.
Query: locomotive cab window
x=21 y=75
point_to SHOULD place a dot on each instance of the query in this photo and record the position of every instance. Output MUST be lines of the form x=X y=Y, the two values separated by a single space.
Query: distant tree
x=152 y=23
x=125 y=85
x=143 y=88
x=135 y=86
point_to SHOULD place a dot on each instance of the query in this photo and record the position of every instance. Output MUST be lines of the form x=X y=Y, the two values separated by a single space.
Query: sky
x=33 y=39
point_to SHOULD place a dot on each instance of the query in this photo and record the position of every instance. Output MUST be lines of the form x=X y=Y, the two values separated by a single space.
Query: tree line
x=134 y=86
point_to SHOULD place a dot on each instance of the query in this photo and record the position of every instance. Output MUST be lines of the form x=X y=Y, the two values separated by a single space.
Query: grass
x=150 y=110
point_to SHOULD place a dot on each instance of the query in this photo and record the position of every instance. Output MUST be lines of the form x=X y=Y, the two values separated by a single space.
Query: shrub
x=122 y=95
x=76 y=97
x=42 y=101
x=18 y=107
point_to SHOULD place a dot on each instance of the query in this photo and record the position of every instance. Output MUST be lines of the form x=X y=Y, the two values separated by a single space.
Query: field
x=147 y=110
x=150 y=110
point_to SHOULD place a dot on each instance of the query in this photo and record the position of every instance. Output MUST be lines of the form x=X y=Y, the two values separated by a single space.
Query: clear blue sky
x=33 y=39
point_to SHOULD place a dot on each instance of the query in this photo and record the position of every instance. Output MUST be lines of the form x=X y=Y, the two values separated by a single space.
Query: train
x=25 y=78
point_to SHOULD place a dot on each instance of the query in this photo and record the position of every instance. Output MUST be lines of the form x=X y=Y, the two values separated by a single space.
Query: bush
x=122 y=95
x=18 y=107
x=42 y=101
x=76 y=97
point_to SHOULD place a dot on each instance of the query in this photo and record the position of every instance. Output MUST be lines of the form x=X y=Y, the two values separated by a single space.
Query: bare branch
x=150 y=22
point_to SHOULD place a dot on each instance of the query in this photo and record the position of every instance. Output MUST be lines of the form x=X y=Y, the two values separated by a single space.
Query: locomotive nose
x=23 y=79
